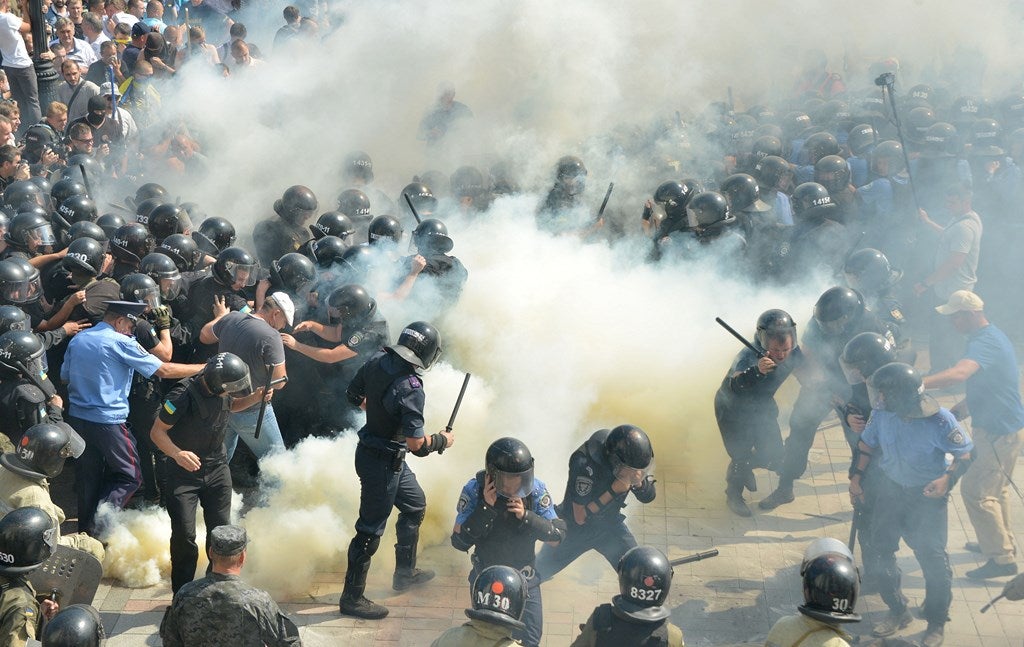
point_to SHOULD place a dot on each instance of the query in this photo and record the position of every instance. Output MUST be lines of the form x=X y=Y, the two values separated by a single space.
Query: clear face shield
x=513 y=485
x=170 y=286
x=242 y=276
x=852 y=372
x=635 y=476
x=41 y=236
x=239 y=387
x=25 y=291
x=876 y=398
x=150 y=297
x=835 y=327
x=34 y=367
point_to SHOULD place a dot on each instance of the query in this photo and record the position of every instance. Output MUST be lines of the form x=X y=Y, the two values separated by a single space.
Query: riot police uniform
x=390 y=386
x=637 y=616
x=286 y=232
x=26 y=539
x=441 y=281
x=26 y=392
x=499 y=595
x=193 y=419
x=591 y=507
x=500 y=537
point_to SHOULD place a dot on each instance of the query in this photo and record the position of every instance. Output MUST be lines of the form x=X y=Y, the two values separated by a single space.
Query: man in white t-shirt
x=20 y=74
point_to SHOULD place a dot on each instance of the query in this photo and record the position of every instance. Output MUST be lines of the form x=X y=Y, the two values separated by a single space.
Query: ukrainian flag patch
x=169 y=408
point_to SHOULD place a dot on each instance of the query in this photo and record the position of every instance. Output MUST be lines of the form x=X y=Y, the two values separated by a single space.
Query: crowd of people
x=147 y=341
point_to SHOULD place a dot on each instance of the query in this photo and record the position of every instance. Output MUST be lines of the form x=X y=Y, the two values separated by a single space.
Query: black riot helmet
x=358 y=166
x=709 y=210
x=571 y=175
x=350 y=305
x=833 y=173
x=890 y=153
x=824 y=546
x=467 y=182
x=673 y=196
x=131 y=243
x=765 y=146
x=110 y=223
x=422 y=198
x=743 y=194
x=21 y=353
x=509 y=463
x=811 y=201
x=861 y=138
x=17 y=284
x=84 y=255
x=149 y=190
x=86 y=229
x=43 y=450
x=64 y=189
x=226 y=373
x=865 y=354
x=773 y=324
x=831 y=585
x=431 y=237
x=297 y=205
x=327 y=250
x=168 y=219
x=214 y=235
x=29 y=228
x=78 y=625
x=941 y=139
x=145 y=208
x=868 y=271
x=334 y=223
x=293 y=272
x=773 y=172
x=161 y=268
x=645 y=578
x=499 y=597
x=898 y=388
x=140 y=288
x=836 y=309
x=383 y=229
x=820 y=145
x=419 y=344
x=353 y=203
x=918 y=121
x=235 y=265
x=27 y=536
x=629 y=452
x=13 y=318
x=358 y=261
x=77 y=208
x=21 y=192
x=183 y=250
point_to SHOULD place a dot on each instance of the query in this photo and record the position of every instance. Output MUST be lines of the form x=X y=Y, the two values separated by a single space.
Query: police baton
x=743 y=340
x=604 y=203
x=263 y=401
x=988 y=605
x=85 y=180
x=696 y=557
x=853 y=528
x=408 y=201
x=458 y=402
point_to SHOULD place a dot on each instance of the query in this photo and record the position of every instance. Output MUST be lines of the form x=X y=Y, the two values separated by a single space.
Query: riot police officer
x=565 y=197
x=638 y=615
x=285 y=233
x=233 y=271
x=190 y=432
x=432 y=276
x=831 y=585
x=389 y=387
x=603 y=471
x=78 y=625
x=502 y=512
x=499 y=598
x=26 y=538
x=129 y=245
x=27 y=396
x=745 y=406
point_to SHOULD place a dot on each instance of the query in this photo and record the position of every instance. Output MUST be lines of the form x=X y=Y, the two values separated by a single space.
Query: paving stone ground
x=732 y=599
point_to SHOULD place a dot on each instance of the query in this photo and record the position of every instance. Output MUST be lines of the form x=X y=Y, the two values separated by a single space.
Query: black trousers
x=209 y=487
x=750 y=431
x=610 y=537
x=382 y=488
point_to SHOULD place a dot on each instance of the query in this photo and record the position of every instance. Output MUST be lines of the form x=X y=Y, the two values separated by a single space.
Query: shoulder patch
x=896 y=314
x=956 y=436
x=584 y=485
x=414 y=382
x=169 y=408
x=545 y=499
x=463 y=502
x=354 y=340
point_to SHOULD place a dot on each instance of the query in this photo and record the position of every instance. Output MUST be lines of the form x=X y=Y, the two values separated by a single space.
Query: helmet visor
x=239 y=387
x=834 y=327
x=41 y=235
x=243 y=275
x=25 y=291
x=876 y=398
x=34 y=368
x=633 y=475
x=149 y=296
x=170 y=286
x=513 y=485
x=433 y=358
x=852 y=372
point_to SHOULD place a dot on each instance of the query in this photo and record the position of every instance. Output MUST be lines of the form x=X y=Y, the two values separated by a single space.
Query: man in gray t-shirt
x=256 y=339
x=955 y=268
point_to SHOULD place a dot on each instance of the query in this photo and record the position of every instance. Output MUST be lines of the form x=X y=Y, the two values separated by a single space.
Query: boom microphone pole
x=886 y=82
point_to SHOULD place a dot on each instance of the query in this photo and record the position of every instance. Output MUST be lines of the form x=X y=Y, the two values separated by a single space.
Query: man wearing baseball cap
x=989 y=369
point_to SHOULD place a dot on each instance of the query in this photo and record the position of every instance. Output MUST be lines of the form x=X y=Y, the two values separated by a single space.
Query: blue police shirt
x=914 y=449
x=98 y=369
x=471 y=496
x=993 y=392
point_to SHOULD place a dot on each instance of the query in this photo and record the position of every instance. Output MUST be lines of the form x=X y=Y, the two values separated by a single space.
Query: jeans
x=243 y=425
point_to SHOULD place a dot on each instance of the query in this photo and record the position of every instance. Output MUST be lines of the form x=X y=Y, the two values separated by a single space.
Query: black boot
x=406 y=573
x=734 y=499
x=352 y=602
x=782 y=494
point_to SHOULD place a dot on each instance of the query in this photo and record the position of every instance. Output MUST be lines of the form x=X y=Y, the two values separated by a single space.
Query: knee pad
x=363 y=545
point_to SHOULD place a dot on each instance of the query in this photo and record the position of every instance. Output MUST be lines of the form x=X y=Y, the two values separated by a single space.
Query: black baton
x=263 y=401
x=455 y=411
x=604 y=203
x=408 y=201
x=743 y=340
x=696 y=557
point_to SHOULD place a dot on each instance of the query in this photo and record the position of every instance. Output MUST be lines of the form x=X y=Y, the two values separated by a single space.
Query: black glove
x=162 y=318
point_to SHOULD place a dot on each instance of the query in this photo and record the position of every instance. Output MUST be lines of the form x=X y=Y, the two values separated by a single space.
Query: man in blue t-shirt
x=993 y=402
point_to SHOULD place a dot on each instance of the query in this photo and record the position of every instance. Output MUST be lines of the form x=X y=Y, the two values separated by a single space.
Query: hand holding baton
x=743 y=340
x=458 y=403
x=271 y=382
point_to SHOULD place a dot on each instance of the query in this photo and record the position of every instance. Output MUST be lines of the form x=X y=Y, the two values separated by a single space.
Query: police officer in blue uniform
x=503 y=511
x=603 y=471
x=388 y=386
x=910 y=436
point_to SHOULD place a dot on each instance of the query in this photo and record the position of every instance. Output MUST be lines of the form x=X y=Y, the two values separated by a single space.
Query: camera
x=885 y=80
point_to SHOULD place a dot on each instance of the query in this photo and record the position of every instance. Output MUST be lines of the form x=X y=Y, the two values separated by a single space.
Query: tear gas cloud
x=562 y=337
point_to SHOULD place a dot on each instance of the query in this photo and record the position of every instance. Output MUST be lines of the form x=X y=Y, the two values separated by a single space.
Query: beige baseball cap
x=961 y=301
